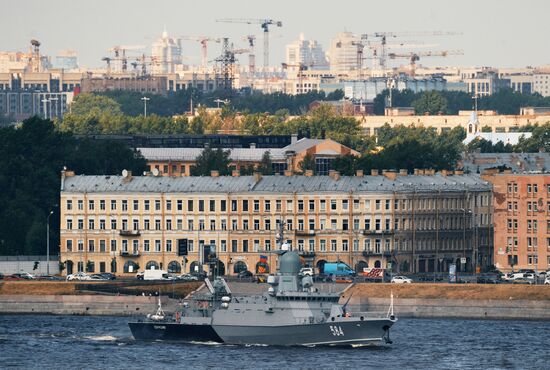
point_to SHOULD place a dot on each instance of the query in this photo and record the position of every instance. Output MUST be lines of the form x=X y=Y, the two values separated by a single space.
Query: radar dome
x=289 y=263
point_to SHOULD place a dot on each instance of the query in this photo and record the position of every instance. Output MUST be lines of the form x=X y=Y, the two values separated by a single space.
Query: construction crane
x=120 y=53
x=108 y=61
x=265 y=24
x=380 y=49
x=300 y=67
x=251 y=55
x=415 y=57
x=203 y=40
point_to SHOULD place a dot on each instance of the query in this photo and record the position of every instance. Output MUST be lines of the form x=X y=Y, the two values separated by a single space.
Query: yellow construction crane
x=415 y=56
x=264 y=23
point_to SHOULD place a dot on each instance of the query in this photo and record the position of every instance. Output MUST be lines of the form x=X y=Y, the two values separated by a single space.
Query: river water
x=85 y=342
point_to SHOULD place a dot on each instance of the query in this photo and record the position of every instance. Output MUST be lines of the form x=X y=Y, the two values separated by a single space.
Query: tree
x=431 y=102
x=266 y=166
x=94 y=104
x=211 y=160
x=307 y=163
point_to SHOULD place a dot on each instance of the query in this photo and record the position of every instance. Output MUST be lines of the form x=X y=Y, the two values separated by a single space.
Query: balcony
x=376 y=254
x=129 y=253
x=377 y=232
x=129 y=233
x=304 y=232
x=307 y=254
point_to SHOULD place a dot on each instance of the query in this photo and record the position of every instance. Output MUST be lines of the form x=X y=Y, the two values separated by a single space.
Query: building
x=516 y=162
x=541 y=83
x=521 y=220
x=178 y=161
x=24 y=104
x=152 y=84
x=306 y=52
x=66 y=60
x=420 y=223
x=166 y=53
x=343 y=52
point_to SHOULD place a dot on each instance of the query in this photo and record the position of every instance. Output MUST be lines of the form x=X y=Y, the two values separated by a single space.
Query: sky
x=495 y=33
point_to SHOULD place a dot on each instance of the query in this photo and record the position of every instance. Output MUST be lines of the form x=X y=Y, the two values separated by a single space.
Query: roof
x=303 y=144
x=270 y=184
x=191 y=154
x=517 y=162
x=494 y=137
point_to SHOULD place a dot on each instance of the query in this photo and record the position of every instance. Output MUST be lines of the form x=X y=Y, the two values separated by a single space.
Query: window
x=179 y=224
x=146 y=224
x=301 y=245
x=168 y=224
x=135 y=224
x=234 y=246
x=312 y=224
x=223 y=205
x=224 y=224
x=80 y=205
x=377 y=204
x=136 y=205
x=157 y=246
x=69 y=204
x=124 y=205
x=146 y=205
x=91 y=245
x=212 y=225
x=333 y=205
x=345 y=204
x=333 y=224
x=168 y=205
x=91 y=205
x=289 y=224
x=234 y=224
x=157 y=204
x=267 y=224
x=245 y=224
x=345 y=225
x=146 y=246
x=157 y=224
x=169 y=245
x=289 y=205
x=366 y=245
x=333 y=245
x=345 y=245
x=387 y=204
x=201 y=224
x=278 y=205
x=267 y=206
x=179 y=205
x=223 y=245
x=367 y=205
x=256 y=224
x=113 y=223
x=113 y=205
x=102 y=246
x=80 y=245
x=102 y=224
x=256 y=205
x=311 y=246
x=355 y=224
x=233 y=206
x=323 y=204
x=69 y=245
x=311 y=206
x=190 y=205
x=91 y=224
x=245 y=205
x=301 y=225
x=377 y=224
x=323 y=245
x=367 y=223
x=201 y=205
x=80 y=223
x=212 y=205
x=69 y=224
x=245 y=246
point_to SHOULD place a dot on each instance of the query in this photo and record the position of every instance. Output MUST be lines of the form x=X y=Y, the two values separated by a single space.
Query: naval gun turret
x=288 y=278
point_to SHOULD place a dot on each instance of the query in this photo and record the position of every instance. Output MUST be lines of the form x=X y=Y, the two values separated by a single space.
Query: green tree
x=266 y=165
x=307 y=163
x=431 y=102
x=84 y=104
x=210 y=160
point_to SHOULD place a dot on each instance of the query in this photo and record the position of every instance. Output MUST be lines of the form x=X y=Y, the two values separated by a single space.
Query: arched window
x=69 y=265
x=377 y=264
x=239 y=266
x=174 y=267
x=194 y=267
x=360 y=266
x=152 y=265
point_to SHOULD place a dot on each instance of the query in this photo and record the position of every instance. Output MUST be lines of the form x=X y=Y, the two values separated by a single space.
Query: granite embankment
x=410 y=300
x=454 y=301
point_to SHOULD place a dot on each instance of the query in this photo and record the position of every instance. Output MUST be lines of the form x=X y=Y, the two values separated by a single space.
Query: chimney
x=335 y=175
x=126 y=176
x=288 y=173
x=403 y=172
x=252 y=145
x=359 y=173
x=293 y=138
x=257 y=176
x=309 y=173
x=374 y=172
x=214 y=173
x=459 y=172
x=331 y=173
x=389 y=174
x=416 y=171
x=429 y=172
x=235 y=173
x=443 y=173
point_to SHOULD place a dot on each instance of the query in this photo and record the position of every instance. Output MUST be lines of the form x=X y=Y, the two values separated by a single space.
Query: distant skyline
x=494 y=33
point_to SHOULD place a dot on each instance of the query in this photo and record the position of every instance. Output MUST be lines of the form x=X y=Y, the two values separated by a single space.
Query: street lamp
x=145 y=100
x=48 y=243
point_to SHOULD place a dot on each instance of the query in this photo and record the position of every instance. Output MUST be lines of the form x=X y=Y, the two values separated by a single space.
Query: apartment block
x=420 y=223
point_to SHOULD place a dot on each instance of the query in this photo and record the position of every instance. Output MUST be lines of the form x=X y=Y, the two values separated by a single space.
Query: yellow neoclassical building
x=421 y=223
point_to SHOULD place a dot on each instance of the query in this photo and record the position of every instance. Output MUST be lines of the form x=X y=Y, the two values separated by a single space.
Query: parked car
x=139 y=275
x=307 y=271
x=487 y=279
x=547 y=280
x=78 y=276
x=48 y=277
x=13 y=277
x=522 y=280
x=187 y=277
x=1 y=276
x=107 y=275
x=244 y=274
x=401 y=280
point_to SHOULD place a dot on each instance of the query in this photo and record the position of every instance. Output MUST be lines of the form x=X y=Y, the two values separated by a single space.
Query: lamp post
x=145 y=100
x=48 y=243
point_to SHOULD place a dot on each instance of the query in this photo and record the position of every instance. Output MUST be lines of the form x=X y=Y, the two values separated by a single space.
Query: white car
x=307 y=271
x=547 y=280
x=79 y=276
x=401 y=280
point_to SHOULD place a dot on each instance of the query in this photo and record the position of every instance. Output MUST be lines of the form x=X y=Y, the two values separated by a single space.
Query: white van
x=155 y=275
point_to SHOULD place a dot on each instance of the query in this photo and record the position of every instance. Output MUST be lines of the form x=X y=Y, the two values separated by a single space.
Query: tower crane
x=120 y=53
x=300 y=67
x=382 y=38
x=415 y=56
x=203 y=40
x=264 y=23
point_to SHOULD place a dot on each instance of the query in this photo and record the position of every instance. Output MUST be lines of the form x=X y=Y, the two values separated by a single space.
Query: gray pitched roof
x=271 y=184
x=518 y=162
x=190 y=154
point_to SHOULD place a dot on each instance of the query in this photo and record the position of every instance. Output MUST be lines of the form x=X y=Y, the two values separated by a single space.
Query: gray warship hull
x=342 y=333
x=171 y=331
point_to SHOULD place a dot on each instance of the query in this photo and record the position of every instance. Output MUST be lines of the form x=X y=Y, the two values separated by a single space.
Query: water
x=69 y=342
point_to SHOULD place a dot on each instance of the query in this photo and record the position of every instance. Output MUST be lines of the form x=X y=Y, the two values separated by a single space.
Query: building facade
x=521 y=220
x=420 y=223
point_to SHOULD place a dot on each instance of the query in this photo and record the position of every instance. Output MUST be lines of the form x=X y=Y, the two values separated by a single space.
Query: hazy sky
x=494 y=33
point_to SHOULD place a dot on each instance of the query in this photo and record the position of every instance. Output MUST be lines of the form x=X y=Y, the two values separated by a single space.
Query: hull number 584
x=336 y=330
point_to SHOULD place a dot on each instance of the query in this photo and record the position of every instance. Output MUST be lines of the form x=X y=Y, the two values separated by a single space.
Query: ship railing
x=369 y=314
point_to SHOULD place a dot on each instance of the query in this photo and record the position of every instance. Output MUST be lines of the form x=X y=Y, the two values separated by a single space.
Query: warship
x=292 y=312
